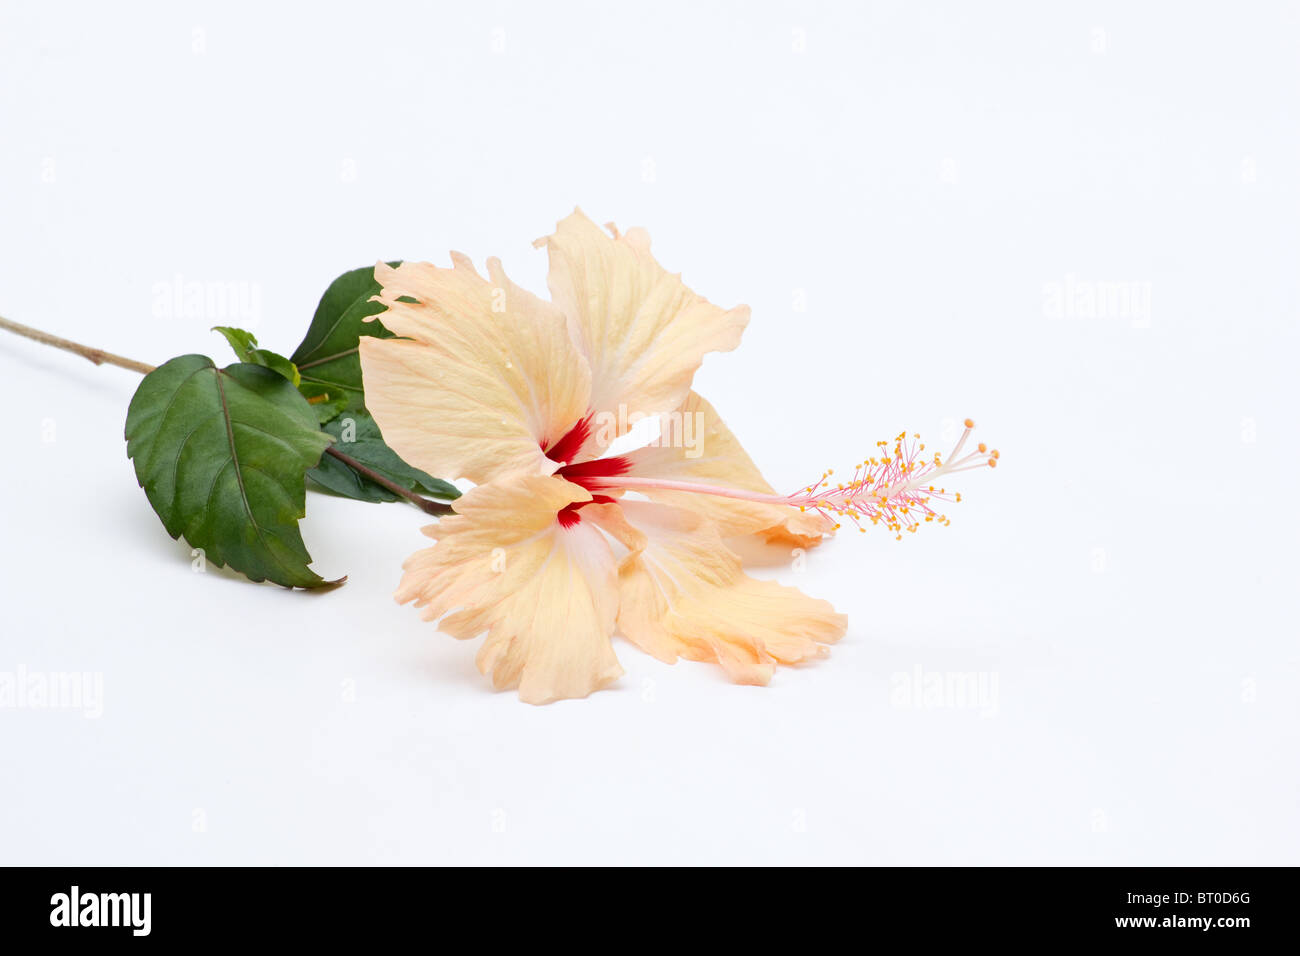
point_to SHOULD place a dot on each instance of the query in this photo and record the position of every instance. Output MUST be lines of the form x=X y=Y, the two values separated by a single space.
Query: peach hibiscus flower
x=546 y=554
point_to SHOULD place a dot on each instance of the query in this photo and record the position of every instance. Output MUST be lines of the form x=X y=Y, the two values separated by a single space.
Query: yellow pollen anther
x=888 y=490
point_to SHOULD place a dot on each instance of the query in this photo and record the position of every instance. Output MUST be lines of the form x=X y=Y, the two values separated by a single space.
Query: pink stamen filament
x=896 y=489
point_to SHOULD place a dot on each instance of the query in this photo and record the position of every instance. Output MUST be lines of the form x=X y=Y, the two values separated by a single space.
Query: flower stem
x=100 y=357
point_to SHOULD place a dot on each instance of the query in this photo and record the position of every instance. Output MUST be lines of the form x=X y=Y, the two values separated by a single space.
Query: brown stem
x=427 y=505
x=98 y=356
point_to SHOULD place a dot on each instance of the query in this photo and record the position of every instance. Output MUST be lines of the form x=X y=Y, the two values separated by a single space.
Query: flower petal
x=546 y=595
x=683 y=595
x=696 y=445
x=486 y=378
x=643 y=332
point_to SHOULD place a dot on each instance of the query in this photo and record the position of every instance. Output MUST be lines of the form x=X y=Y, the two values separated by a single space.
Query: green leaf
x=357 y=436
x=222 y=455
x=276 y=363
x=330 y=366
x=327 y=357
x=243 y=343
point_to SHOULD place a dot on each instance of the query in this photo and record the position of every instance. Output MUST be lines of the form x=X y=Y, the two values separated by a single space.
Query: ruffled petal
x=696 y=445
x=682 y=594
x=545 y=594
x=642 y=331
x=485 y=378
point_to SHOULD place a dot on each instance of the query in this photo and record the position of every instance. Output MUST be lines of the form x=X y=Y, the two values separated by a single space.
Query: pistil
x=896 y=487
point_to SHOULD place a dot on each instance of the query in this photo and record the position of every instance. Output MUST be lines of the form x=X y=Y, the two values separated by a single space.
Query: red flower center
x=581 y=473
x=568 y=515
x=567 y=446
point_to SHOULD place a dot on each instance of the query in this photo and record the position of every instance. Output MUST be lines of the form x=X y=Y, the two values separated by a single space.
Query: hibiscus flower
x=547 y=554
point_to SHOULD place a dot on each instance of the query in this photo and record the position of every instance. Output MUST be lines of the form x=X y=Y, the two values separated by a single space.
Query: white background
x=897 y=190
